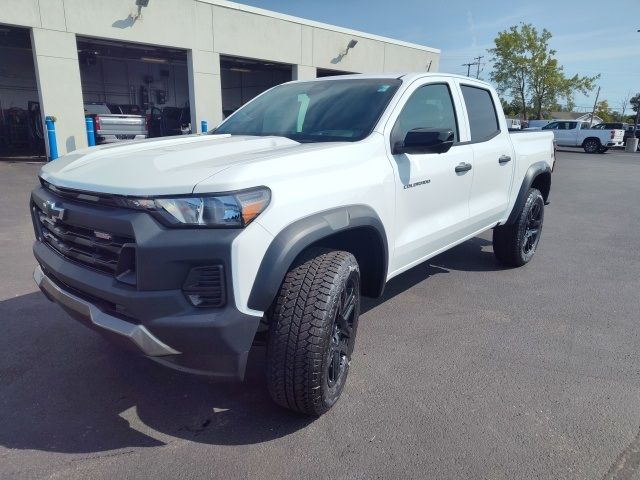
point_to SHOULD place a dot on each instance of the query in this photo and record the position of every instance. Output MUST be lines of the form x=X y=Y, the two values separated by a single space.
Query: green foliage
x=635 y=102
x=525 y=68
x=602 y=110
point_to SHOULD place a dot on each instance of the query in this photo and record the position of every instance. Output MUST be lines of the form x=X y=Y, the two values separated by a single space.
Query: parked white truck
x=570 y=133
x=114 y=126
x=186 y=249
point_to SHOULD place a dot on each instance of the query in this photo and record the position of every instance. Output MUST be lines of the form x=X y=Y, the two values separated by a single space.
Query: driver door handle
x=504 y=159
x=463 y=167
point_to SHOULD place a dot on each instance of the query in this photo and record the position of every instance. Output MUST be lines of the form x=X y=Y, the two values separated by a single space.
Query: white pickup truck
x=189 y=249
x=113 y=125
x=570 y=133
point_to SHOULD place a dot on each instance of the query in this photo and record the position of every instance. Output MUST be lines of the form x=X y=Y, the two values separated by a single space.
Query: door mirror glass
x=425 y=140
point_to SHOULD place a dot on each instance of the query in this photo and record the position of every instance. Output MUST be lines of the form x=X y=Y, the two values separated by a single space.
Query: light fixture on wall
x=352 y=43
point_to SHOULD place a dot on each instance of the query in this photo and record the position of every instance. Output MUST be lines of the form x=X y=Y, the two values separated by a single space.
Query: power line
x=477 y=59
x=468 y=65
x=476 y=63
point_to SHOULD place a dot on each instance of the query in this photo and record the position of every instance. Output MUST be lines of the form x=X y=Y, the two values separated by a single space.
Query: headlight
x=236 y=209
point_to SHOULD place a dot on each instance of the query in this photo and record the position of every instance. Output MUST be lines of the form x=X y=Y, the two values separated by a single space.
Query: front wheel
x=591 y=145
x=514 y=245
x=313 y=331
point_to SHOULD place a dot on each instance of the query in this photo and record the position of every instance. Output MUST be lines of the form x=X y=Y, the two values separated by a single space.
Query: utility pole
x=477 y=59
x=468 y=65
x=593 y=112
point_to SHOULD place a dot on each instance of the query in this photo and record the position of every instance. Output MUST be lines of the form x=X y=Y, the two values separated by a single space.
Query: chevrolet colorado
x=274 y=224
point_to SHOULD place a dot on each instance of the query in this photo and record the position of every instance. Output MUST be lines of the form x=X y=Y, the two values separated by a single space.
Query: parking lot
x=462 y=370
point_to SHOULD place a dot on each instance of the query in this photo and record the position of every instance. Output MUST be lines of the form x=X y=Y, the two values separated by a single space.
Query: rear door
x=493 y=157
x=432 y=198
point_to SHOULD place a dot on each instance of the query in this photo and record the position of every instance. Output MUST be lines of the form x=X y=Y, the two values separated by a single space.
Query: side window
x=483 y=119
x=551 y=126
x=430 y=106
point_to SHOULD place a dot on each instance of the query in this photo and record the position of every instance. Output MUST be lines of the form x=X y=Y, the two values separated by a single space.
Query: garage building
x=175 y=61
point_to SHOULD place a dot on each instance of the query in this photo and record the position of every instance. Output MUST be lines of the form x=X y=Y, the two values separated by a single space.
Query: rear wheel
x=591 y=145
x=602 y=149
x=514 y=245
x=313 y=330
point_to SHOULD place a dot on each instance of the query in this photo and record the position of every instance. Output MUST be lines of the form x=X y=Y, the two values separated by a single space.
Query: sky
x=591 y=37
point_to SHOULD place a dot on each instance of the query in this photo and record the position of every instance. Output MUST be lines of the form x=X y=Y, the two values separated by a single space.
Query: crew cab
x=629 y=130
x=115 y=126
x=271 y=227
x=580 y=134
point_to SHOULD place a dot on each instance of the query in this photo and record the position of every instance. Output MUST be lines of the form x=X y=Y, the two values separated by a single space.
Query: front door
x=432 y=198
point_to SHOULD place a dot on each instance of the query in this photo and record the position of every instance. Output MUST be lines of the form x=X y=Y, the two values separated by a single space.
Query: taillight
x=96 y=123
x=148 y=122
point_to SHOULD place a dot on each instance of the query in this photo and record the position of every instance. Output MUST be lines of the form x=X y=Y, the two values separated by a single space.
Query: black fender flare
x=533 y=172
x=299 y=235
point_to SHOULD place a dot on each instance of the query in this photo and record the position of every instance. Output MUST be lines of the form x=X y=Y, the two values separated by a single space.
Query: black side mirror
x=425 y=140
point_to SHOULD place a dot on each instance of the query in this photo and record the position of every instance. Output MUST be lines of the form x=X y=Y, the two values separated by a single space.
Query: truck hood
x=161 y=167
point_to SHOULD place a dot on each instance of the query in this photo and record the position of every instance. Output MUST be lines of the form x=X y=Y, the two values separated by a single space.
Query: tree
x=635 y=102
x=602 y=110
x=625 y=103
x=525 y=67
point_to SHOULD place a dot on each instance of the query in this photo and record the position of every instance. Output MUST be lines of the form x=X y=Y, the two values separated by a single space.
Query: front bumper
x=150 y=315
x=136 y=337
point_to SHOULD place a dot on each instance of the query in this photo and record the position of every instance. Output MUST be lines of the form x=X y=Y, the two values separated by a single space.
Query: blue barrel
x=51 y=135
x=91 y=134
x=204 y=127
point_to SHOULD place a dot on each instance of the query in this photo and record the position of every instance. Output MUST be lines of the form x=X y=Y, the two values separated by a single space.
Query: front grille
x=93 y=248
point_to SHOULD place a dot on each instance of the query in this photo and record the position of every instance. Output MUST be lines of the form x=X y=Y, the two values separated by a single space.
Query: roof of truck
x=407 y=76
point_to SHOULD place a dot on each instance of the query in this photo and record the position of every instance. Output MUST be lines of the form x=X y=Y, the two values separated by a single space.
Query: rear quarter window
x=483 y=119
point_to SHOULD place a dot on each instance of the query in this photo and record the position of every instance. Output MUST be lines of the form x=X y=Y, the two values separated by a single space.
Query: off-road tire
x=304 y=372
x=512 y=244
x=591 y=145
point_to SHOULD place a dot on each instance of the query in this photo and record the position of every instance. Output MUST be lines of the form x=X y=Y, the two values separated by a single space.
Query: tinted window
x=319 y=111
x=96 y=109
x=430 y=106
x=483 y=120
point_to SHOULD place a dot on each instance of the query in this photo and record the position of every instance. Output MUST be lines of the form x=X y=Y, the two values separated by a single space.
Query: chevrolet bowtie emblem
x=53 y=211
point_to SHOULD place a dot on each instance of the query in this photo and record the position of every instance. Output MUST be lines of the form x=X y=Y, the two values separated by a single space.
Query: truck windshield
x=341 y=110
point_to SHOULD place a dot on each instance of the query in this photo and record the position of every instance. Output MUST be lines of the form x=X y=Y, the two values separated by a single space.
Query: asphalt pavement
x=464 y=370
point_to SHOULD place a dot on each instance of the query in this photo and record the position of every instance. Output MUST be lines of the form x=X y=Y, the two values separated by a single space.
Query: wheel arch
x=355 y=228
x=538 y=176
x=591 y=138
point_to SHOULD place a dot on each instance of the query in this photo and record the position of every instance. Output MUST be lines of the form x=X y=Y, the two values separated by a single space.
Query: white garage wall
x=206 y=29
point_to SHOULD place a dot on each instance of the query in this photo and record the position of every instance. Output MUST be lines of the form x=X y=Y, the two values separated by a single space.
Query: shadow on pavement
x=65 y=389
